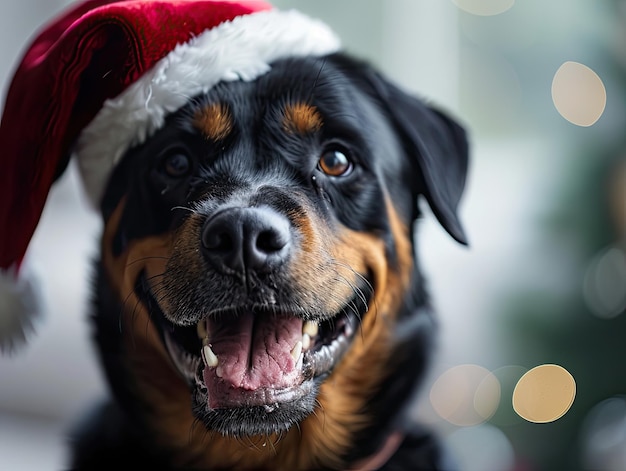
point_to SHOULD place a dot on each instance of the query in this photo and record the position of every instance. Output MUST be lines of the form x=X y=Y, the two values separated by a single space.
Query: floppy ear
x=439 y=146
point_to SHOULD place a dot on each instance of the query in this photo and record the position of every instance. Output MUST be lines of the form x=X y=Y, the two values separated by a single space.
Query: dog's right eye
x=176 y=165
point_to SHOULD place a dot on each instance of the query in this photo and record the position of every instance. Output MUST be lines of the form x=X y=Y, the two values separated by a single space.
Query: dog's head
x=261 y=248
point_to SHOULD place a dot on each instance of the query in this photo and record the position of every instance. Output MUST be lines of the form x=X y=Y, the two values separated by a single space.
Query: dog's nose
x=241 y=239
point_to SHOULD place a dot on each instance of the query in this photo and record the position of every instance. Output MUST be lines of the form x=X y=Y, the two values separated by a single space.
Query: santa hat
x=100 y=79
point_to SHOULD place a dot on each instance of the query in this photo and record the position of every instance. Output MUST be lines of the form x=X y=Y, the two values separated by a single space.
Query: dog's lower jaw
x=258 y=421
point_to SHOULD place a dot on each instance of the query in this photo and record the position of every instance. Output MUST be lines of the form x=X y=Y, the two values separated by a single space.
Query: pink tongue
x=254 y=350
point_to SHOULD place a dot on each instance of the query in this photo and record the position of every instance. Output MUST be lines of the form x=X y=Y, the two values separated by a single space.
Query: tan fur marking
x=301 y=118
x=215 y=121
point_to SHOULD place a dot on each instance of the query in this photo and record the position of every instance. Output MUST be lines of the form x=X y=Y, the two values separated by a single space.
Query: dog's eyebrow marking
x=214 y=121
x=301 y=118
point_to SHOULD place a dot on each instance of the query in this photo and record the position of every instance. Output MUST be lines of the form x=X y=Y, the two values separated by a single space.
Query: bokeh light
x=481 y=448
x=544 y=394
x=465 y=395
x=604 y=286
x=487 y=396
x=578 y=93
x=604 y=436
x=484 y=7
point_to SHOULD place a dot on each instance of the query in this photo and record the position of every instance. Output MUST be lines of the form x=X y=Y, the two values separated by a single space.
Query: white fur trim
x=241 y=49
x=19 y=309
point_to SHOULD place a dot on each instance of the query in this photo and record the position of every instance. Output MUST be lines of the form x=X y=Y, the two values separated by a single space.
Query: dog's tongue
x=254 y=352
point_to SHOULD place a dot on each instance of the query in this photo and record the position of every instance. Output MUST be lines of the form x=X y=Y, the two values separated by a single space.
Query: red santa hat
x=100 y=79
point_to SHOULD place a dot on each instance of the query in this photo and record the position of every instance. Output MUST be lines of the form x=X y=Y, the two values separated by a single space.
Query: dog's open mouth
x=258 y=360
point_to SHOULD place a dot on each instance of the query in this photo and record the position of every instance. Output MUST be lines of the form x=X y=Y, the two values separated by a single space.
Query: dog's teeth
x=310 y=328
x=210 y=359
x=297 y=350
x=201 y=329
x=306 y=342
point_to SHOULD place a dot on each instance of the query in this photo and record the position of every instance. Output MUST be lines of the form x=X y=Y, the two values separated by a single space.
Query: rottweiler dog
x=258 y=302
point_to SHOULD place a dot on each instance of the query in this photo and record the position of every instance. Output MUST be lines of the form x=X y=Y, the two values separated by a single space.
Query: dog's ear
x=437 y=143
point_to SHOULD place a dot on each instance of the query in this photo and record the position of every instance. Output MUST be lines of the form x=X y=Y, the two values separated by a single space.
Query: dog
x=258 y=303
x=257 y=299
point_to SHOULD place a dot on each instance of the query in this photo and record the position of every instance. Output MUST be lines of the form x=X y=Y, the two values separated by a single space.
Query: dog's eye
x=176 y=164
x=335 y=163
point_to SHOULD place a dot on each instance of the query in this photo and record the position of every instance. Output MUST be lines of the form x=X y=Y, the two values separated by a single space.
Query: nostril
x=270 y=241
x=218 y=241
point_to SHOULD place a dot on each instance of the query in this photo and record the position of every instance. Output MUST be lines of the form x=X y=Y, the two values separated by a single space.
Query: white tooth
x=219 y=372
x=201 y=329
x=210 y=359
x=297 y=350
x=306 y=342
x=311 y=328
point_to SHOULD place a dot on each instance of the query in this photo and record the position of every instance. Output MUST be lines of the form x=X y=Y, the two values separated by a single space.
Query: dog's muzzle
x=242 y=323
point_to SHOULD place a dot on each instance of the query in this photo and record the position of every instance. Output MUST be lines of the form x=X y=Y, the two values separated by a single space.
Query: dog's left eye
x=176 y=164
x=335 y=163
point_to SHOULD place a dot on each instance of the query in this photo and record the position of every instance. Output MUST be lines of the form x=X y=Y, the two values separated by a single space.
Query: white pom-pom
x=20 y=308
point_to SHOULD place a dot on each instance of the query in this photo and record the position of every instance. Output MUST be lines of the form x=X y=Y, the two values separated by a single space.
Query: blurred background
x=534 y=308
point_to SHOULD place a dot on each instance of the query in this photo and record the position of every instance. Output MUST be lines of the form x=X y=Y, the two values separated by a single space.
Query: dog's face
x=258 y=254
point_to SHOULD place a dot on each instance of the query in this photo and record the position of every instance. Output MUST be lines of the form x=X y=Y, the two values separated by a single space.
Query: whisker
x=351 y=304
x=143 y=259
x=368 y=285
x=342 y=264
x=317 y=77
x=357 y=290
x=183 y=208
x=194 y=424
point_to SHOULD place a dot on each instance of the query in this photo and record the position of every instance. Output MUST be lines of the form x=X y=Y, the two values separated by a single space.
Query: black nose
x=242 y=239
